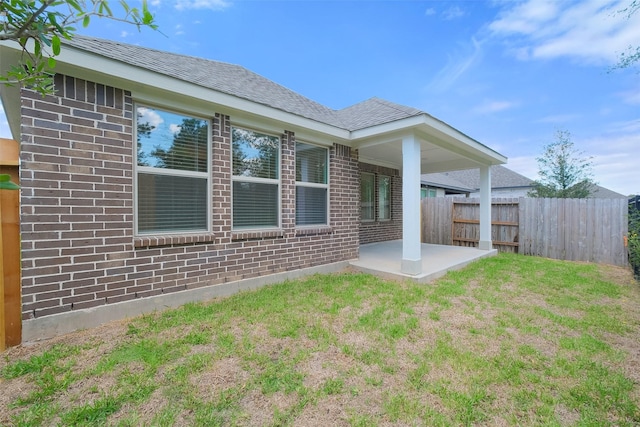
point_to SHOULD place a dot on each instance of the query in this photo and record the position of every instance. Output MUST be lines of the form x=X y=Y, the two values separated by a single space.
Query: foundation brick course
x=77 y=210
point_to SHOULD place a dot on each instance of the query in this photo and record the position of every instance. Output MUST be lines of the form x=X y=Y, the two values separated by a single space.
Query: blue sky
x=507 y=73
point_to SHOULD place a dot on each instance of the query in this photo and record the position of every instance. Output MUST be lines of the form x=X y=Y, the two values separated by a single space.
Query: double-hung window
x=172 y=172
x=384 y=198
x=312 y=189
x=367 y=196
x=256 y=179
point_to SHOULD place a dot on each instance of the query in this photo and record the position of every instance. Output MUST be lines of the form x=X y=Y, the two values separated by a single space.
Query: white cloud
x=589 y=31
x=151 y=117
x=124 y=34
x=179 y=31
x=525 y=18
x=614 y=166
x=202 y=4
x=453 y=12
x=631 y=97
x=490 y=107
x=430 y=11
x=455 y=68
x=559 y=118
x=524 y=165
x=174 y=128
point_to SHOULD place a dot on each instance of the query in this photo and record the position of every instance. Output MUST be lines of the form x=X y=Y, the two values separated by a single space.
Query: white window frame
x=315 y=185
x=169 y=172
x=251 y=179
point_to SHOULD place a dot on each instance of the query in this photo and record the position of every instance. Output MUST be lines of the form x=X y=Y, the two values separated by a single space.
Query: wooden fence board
x=571 y=229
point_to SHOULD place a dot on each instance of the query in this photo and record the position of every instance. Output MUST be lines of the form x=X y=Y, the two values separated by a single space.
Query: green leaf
x=85 y=21
x=6 y=184
x=37 y=48
x=52 y=62
x=75 y=5
x=55 y=45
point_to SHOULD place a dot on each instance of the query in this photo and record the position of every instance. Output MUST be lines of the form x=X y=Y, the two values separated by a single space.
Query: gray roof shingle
x=444 y=180
x=238 y=81
x=501 y=177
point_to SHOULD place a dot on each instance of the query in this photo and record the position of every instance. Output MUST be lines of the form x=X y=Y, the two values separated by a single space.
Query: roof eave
x=149 y=86
x=434 y=131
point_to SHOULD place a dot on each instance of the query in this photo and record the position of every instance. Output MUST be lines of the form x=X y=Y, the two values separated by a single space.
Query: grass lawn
x=509 y=340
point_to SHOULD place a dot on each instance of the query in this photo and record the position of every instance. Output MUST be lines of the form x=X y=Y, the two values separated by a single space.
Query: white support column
x=411 y=247
x=485 y=208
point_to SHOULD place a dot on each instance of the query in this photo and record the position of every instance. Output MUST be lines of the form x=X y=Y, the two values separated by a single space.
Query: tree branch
x=34 y=16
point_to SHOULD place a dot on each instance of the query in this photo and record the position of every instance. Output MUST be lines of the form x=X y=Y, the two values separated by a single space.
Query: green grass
x=508 y=340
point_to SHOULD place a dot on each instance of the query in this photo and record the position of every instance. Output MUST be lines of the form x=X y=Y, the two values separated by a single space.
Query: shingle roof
x=444 y=180
x=501 y=177
x=238 y=81
x=598 y=192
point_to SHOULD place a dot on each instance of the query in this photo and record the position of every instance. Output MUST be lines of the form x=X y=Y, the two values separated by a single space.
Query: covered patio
x=415 y=145
x=384 y=259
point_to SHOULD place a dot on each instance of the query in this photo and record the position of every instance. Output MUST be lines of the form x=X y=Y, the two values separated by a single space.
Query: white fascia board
x=379 y=134
x=431 y=130
x=453 y=136
x=149 y=86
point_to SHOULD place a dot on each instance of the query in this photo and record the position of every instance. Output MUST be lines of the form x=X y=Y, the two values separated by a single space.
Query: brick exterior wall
x=379 y=231
x=77 y=210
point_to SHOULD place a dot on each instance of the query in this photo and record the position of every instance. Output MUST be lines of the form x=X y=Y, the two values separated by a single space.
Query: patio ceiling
x=442 y=147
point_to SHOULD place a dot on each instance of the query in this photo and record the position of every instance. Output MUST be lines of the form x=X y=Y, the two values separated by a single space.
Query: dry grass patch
x=509 y=340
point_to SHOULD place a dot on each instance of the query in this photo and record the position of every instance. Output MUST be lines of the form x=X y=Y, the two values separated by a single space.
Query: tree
x=39 y=26
x=632 y=55
x=564 y=171
x=188 y=150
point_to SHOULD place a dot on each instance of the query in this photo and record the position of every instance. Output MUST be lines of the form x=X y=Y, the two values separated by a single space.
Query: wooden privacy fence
x=569 y=229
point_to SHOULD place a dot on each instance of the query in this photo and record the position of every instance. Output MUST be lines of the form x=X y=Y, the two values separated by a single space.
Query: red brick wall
x=378 y=231
x=78 y=245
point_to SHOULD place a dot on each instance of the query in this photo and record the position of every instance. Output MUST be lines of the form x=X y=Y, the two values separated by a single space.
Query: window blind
x=171 y=203
x=367 y=182
x=256 y=187
x=172 y=171
x=311 y=205
x=255 y=205
x=384 y=197
x=311 y=184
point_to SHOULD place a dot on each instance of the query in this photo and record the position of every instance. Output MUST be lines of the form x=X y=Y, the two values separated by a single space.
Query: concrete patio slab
x=385 y=258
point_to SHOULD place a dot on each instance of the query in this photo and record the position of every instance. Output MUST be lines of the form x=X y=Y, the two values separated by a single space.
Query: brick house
x=151 y=179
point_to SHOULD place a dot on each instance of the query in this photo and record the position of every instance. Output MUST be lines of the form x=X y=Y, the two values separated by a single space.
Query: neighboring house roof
x=444 y=180
x=501 y=177
x=238 y=81
x=598 y=192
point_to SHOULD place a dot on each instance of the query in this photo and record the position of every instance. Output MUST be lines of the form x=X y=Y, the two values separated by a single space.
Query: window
x=427 y=192
x=311 y=184
x=256 y=179
x=172 y=172
x=367 y=197
x=384 y=198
